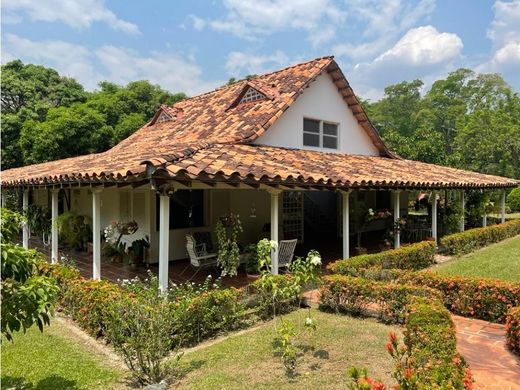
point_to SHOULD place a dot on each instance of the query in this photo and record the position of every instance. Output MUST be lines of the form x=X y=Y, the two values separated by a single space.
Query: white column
x=461 y=228
x=25 y=227
x=503 y=207
x=4 y=198
x=434 y=215
x=274 y=231
x=345 y=221
x=54 y=227
x=164 y=241
x=96 y=234
x=397 y=215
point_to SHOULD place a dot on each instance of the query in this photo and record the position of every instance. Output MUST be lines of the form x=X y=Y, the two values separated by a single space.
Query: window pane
x=330 y=142
x=330 y=129
x=311 y=139
x=186 y=209
x=311 y=126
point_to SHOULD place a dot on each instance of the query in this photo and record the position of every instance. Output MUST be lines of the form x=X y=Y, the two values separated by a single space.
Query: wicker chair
x=286 y=253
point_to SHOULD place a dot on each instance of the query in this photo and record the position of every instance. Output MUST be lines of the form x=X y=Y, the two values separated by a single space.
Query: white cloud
x=121 y=65
x=77 y=14
x=384 y=22
x=253 y=19
x=241 y=63
x=504 y=32
x=421 y=52
x=197 y=23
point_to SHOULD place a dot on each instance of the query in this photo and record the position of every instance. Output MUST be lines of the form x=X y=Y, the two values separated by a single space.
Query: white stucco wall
x=320 y=101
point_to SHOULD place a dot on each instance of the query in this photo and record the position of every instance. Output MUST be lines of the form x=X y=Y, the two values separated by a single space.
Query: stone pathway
x=483 y=346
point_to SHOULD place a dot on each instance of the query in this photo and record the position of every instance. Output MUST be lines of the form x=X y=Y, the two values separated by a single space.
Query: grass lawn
x=510 y=215
x=247 y=361
x=500 y=261
x=55 y=359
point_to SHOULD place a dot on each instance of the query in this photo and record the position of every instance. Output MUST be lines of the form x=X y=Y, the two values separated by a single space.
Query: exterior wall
x=320 y=101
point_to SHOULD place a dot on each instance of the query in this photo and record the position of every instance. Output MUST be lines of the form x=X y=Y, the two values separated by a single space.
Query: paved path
x=483 y=346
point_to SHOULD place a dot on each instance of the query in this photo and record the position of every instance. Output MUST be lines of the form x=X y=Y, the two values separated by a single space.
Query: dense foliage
x=416 y=256
x=46 y=116
x=513 y=329
x=473 y=239
x=467 y=120
x=513 y=199
x=27 y=296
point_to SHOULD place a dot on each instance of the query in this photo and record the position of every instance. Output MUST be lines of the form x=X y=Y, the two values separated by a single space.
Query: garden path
x=483 y=345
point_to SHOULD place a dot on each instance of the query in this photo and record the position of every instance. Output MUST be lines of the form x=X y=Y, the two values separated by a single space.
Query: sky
x=195 y=46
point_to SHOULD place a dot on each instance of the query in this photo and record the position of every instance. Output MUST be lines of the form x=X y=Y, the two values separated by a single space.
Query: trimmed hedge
x=473 y=239
x=413 y=257
x=486 y=299
x=357 y=295
x=513 y=330
x=432 y=347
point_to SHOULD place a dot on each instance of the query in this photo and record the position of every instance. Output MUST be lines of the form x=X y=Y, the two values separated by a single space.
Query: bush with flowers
x=356 y=296
x=513 y=330
x=473 y=239
x=414 y=257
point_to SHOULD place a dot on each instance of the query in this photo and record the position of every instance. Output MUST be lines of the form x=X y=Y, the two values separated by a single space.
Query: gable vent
x=252 y=95
x=163 y=117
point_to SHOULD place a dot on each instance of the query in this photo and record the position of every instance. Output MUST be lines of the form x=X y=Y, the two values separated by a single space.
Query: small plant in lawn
x=285 y=345
x=139 y=330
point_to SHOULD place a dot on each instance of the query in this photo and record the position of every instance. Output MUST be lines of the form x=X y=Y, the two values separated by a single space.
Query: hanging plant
x=228 y=258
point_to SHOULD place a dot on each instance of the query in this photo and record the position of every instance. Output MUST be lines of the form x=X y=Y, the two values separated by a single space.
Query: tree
x=27 y=297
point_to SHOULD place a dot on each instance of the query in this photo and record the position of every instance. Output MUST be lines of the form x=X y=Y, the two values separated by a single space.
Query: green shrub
x=269 y=303
x=513 y=199
x=513 y=329
x=473 y=239
x=486 y=299
x=415 y=257
x=431 y=359
x=358 y=295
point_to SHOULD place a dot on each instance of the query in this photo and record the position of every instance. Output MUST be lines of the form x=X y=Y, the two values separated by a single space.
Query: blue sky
x=194 y=46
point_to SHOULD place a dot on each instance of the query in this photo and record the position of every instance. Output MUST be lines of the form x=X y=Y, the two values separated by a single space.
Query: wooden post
x=345 y=221
x=96 y=234
x=54 y=227
x=397 y=215
x=164 y=241
x=274 y=230
x=25 y=227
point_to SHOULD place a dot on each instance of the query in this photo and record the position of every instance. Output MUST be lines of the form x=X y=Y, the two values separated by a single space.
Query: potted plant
x=137 y=250
x=228 y=257
x=74 y=229
x=114 y=248
x=252 y=264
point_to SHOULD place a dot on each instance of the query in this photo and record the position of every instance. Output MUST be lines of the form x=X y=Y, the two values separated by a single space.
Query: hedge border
x=513 y=330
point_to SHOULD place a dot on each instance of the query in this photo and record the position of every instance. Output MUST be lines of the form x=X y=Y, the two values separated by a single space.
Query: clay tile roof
x=205 y=127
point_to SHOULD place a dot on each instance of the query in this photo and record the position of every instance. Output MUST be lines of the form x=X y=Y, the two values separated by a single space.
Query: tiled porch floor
x=115 y=271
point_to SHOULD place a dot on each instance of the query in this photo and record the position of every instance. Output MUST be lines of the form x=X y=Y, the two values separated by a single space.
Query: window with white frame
x=252 y=95
x=320 y=133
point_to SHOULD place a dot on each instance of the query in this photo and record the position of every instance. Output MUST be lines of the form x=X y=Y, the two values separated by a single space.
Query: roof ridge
x=331 y=57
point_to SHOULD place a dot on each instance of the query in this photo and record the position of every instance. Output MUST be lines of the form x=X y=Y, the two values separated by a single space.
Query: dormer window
x=163 y=117
x=318 y=133
x=252 y=95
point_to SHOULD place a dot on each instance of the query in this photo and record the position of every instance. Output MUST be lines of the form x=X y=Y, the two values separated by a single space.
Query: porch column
x=503 y=207
x=461 y=227
x=54 y=227
x=397 y=215
x=345 y=221
x=434 y=216
x=274 y=230
x=164 y=241
x=96 y=234
x=25 y=227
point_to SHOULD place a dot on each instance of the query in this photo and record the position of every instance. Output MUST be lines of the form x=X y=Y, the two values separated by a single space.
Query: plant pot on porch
x=252 y=277
x=360 y=251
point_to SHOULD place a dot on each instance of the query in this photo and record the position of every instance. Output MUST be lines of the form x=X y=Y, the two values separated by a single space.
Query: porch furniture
x=286 y=252
x=199 y=257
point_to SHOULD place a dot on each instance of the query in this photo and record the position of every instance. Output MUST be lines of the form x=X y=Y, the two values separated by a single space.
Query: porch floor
x=115 y=271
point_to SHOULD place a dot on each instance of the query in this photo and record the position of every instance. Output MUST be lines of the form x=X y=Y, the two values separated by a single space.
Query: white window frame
x=321 y=134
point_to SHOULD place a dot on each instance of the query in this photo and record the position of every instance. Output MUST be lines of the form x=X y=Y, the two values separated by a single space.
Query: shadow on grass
x=185 y=368
x=52 y=382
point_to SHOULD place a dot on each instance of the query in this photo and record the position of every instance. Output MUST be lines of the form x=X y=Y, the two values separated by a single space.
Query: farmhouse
x=291 y=152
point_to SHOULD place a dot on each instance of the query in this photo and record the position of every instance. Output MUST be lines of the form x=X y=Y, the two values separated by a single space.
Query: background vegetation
x=466 y=120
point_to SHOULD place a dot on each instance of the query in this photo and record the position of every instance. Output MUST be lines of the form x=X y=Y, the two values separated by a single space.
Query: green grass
x=248 y=361
x=500 y=261
x=55 y=359
x=510 y=215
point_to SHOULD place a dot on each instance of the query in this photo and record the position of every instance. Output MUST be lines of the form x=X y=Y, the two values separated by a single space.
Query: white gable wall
x=320 y=101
